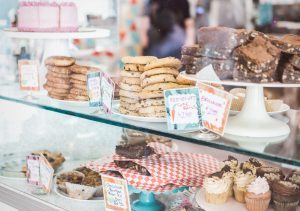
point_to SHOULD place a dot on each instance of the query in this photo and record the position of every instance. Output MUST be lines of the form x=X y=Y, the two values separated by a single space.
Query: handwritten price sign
x=115 y=191
x=183 y=109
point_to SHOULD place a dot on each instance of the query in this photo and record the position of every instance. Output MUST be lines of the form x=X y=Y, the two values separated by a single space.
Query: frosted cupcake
x=258 y=195
x=228 y=174
x=285 y=195
x=232 y=162
x=216 y=188
x=252 y=164
x=241 y=180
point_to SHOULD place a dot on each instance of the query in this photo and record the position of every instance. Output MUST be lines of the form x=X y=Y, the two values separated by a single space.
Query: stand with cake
x=252 y=60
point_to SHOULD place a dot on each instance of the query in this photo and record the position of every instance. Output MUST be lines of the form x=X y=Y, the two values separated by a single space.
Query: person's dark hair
x=163 y=22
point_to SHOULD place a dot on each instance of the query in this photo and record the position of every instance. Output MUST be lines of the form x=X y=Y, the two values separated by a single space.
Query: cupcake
x=272 y=177
x=232 y=162
x=228 y=174
x=241 y=180
x=216 y=188
x=258 y=195
x=294 y=177
x=285 y=195
x=252 y=164
x=270 y=173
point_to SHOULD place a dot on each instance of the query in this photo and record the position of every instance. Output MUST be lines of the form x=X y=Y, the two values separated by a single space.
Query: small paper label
x=108 y=88
x=115 y=191
x=183 y=109
x=94 y=89
x=33 y=169
x=29 y=75
x=215 y=107
x=46 y=174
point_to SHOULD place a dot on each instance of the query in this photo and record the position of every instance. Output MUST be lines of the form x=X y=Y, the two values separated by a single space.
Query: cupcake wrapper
x=239 y=194
x=257 y=204
x=216 y=198
x=80 y=191
x=283 y=206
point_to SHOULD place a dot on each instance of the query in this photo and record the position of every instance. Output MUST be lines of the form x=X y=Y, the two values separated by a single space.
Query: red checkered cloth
x=168 y=171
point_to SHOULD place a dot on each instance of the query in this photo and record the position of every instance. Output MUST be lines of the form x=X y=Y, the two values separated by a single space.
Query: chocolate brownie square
x=131 y=165
x=259 y=55
x=290 y=74
x=193 y=50
x=288 y=43
x=135 y=151
x=221 y=37
x=295 y=60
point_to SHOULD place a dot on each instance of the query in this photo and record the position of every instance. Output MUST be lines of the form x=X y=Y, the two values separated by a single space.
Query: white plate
x=70 y=103
x=115 y=110
x=62 y=194
x=284 y=108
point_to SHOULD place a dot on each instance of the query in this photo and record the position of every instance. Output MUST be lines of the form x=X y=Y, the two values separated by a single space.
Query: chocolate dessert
x=288 y=43
x=242 y=73
x=285 y=195
x=290 y=74
x=294 y=177
x=136 y=151
x=131 y=165
x=295 y=61
x=55 y=159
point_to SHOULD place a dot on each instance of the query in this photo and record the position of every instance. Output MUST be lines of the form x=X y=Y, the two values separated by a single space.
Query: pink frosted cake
x=47 y=17
x=68 y=17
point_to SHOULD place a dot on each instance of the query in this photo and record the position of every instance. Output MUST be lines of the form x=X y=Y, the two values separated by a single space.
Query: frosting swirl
x=258 y=186
x=242 y=179
x=216 y=185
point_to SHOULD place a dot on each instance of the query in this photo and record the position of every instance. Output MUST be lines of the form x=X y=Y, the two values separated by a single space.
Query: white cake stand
x=252 y=128
x=57 y=43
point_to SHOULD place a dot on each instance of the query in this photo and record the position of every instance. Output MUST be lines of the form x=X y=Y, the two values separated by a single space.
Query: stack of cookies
x=78 y=82
x=158 y=75
x=58 y=76
x=289 y=65
x=257 y=60
x=215 y=46
x=130 y=83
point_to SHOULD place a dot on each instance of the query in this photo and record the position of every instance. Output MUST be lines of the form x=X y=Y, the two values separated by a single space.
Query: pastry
x=58 y=75
x=127 y=112
x=158 y=71
x=192 y=50
x=152 y=102
x=162 y=78
x=129 y=94
x=295 y=60
x=131 y=165
x=161 y=86
x=228 y=174
x=134 y=67
x=77 y=97
x=60 y=61
x=241 y=180
x=138 y=59
x=55 y=96
x=134 y=107
x=73 y=81
x=285 y=195
x=57 y=80
x=129 y=100
x=290 y=74
x=151 y=94
x=136 y=151
x=216 y=188
x=232 y=162
x=79 y=69
x=76 y=91
x=183 y=81
x=59 y=70
x=56 y=90
x=157 y=115
x=55 y=159
x=130 y=74
x=169 y=62
x=294 y=177
x=133 y=81
x=79 y=77
x=152 y=109
x=261 y=171
x=58 y=85
x=130 y=87
x=258 y=195
x=288 y=43
x=79 y=86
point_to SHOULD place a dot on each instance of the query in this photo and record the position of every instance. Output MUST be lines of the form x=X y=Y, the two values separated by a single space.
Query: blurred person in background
x=166 y=27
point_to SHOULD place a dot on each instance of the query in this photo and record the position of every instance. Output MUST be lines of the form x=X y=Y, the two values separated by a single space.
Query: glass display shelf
x=284 y=152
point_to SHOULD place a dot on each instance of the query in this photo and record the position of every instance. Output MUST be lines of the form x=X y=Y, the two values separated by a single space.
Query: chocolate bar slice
x=290 y=74
x=221 y=37
x=202 y=51
x=288 y=43
x=259 y=55
x=131 y=165
x=193 y=50
x=295 y=60
x=135 y=151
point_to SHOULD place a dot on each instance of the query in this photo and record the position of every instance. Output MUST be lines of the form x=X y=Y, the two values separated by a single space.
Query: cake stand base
x=253 y=127
x=147 y=202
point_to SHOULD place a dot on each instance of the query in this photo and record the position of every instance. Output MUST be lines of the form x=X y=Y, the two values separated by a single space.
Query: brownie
x=259 y=55
x=131 y=165
x=290 y=74
x=55 y=159
x=288 y=43
x=242 y=73
x=215 y=53
x=193 y=50
x=135 y=151
x=221 y=37
x=295 y=61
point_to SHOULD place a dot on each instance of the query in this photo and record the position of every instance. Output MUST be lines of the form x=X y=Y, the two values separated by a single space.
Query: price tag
x=215 y=107
x=115 y=191
x=46 y=174
x=94 y=89
x=108 y=88
x=33 y=169
x=29 y=75
x=183 y=109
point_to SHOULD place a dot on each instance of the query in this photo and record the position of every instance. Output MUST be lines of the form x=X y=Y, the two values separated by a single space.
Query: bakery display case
x=57 y=116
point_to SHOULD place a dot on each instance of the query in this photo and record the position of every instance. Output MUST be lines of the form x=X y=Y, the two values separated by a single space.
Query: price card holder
x=215 y=107
x=115 y=191
x=29 y=76
x=46 y=174
x=107 y=89
x=33 y=169
x=94 y=90
x=183 y=109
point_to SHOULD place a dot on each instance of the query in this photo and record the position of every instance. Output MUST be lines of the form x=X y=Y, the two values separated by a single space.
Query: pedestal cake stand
x=252 y=128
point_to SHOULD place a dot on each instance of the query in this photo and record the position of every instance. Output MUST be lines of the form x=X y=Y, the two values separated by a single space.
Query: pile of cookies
x=143 y=81
x=78 y=91
x=65 y=79
x=58 y=76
